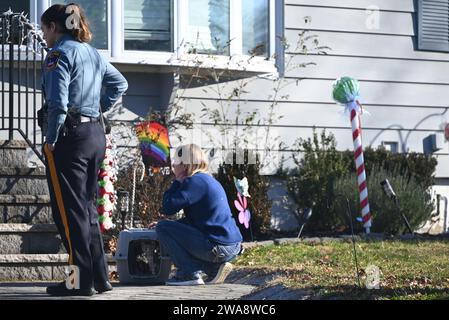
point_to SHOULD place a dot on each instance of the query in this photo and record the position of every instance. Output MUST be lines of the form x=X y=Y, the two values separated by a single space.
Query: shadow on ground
x=266 y=288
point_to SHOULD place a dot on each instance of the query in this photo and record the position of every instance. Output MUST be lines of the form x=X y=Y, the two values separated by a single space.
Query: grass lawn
x=416 y=269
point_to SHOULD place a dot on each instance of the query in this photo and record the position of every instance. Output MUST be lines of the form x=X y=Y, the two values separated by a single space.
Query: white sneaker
x=223 y=272
x=184 y=282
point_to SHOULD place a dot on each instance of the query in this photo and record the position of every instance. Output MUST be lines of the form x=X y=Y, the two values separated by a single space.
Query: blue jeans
x=191 y=251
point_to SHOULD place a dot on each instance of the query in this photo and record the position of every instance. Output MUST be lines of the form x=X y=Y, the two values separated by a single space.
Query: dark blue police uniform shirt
x=73 y=76
x=205 y=207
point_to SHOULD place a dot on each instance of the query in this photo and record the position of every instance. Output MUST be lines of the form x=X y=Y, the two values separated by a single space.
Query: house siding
x=404 y=90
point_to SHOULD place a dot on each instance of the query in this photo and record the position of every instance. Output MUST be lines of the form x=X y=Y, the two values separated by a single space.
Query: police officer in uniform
x=74 y=74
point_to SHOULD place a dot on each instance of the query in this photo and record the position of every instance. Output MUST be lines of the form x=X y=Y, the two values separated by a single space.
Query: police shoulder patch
x=52 y=60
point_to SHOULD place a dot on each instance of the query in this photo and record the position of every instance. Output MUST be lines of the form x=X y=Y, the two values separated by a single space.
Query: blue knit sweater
x=205 y=207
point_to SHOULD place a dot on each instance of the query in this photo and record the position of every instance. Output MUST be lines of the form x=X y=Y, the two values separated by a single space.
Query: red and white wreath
x=107 y=198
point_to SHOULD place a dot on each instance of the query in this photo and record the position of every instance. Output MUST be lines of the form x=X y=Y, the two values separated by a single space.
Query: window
x=225 y=27
x=255 y=25
x=433 y=25
x=159 y=32
x=208 y=26
x=148 y=25
x=97 y=13
x=16 y=6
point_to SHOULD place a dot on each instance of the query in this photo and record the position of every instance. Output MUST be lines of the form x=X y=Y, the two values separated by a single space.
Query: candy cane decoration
x=360 y=169
x=346 y=91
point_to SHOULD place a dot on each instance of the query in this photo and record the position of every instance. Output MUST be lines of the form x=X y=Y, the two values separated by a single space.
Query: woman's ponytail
x=69 y=19
x=77 y=18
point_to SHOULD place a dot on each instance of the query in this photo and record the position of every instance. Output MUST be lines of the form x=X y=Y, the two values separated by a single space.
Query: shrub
x=310 y=185
x=148 y=195
x=259 y=203
x=414 y=201
x=148 y=200
x=422 y=167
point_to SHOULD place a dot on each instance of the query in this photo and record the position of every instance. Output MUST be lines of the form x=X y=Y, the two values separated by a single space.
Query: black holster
x=42 y=118
x=72 y=121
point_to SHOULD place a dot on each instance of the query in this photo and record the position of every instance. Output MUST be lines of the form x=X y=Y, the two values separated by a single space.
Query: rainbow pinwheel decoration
x=154 y=143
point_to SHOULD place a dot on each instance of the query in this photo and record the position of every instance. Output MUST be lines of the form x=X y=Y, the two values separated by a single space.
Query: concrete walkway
x=36 y=291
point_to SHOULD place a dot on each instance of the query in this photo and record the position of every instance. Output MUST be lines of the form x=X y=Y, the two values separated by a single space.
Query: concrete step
x=30 y=239
x=13 y=153
x=37 y=267
x=23 y=181
x=25 y=209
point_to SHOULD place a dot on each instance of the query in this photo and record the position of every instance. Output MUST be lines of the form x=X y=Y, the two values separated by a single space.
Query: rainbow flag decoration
x=154 y=143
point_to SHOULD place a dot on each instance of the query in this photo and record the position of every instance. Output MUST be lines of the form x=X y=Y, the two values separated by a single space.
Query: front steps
x=24 y=196
x=30 y=239
x=31 y=252
x=33 y=267
x=32 y=209
x=30 y=246
x=37 y=267
x=34 y=253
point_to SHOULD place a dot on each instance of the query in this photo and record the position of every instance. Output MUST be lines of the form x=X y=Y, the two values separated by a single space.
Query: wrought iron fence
x=22 y=54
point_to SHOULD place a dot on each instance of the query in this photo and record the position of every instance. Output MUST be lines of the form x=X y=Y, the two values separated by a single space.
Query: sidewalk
x=36 y=291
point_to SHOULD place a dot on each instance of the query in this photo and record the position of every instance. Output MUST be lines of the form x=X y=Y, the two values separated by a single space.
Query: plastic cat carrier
x=140 y=258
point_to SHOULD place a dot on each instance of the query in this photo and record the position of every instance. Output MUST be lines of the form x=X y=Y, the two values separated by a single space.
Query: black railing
x=22 y=53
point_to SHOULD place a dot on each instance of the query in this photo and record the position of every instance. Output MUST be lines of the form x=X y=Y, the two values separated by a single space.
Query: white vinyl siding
x=405 y=90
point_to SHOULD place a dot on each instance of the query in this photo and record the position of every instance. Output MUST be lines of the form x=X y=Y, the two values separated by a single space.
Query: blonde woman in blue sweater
x=207 y=238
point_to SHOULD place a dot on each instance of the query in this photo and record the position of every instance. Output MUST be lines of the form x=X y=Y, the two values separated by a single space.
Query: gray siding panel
x=318 y=90
x=348 y=20
x=408 y=140
x=386 y=5
x=372 y=69
x=361 y=45
x=302 y=114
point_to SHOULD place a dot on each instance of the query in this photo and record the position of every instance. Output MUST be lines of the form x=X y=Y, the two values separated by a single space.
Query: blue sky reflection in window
x=208 y=26
x=148 y=25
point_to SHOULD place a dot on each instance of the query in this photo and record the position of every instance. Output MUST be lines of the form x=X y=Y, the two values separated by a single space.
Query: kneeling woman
x=207 y=238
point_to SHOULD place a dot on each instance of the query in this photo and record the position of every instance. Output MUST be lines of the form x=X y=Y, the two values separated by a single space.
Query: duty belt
x=84 y=119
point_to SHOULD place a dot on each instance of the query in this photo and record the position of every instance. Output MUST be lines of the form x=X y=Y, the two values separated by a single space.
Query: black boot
x=103 y=287
x=61 y=290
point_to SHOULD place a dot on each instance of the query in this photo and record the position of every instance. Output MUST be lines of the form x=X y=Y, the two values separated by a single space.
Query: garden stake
x=348 y=212
x=388 y=190
x=305 y=217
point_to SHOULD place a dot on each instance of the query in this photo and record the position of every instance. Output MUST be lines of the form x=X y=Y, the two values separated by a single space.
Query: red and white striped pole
x=355 y=110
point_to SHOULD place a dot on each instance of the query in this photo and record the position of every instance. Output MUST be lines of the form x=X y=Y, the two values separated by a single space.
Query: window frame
x=134 y=53
x=116 y=52
x=38 y=7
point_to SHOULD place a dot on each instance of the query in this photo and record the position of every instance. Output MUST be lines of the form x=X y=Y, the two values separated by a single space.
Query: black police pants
x=72 y=171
